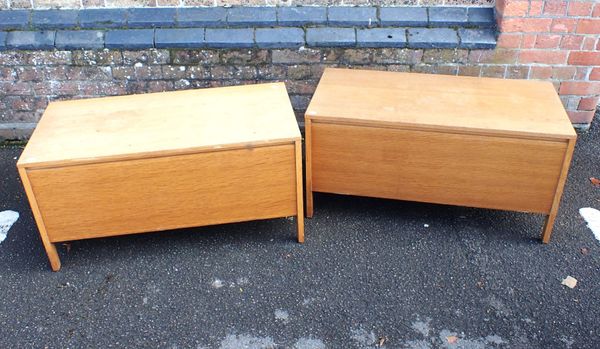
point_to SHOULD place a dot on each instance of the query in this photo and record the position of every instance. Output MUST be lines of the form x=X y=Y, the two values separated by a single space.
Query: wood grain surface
x=299 y=191
x=453 y=103
x=50 y=247
x=560 y=186
x=155 y=124
x=134 y=196
x=467 y=170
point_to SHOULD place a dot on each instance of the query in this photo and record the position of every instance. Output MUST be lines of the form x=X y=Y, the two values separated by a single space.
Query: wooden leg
x=549 y=221
x=308 y=146
x=299 y=201
x=300 y=228
x=49 y=246
x=52 y=255
x=309 y=203
x=548 y=225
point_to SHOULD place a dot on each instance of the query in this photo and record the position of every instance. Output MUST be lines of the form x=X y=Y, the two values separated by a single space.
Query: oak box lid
x=442 y=102
x=164 y=123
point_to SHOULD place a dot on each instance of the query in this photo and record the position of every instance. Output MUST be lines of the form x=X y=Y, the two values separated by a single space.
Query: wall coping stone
x=252 y=16
x=481 y=17
x=477 y=38
x=202 y=17
x=265 y=16
x=412 y=16
x=247 y=27
x=300 y=16
x=3 y=36
x=151 y=17
x=381 y=37
x=79 y=39
x=134 y=39
x=331 y=37
x=432 y=38
x=179 y=38
x=352 y=16
x=278 y=37
x=30 y=40
x=54 y=19
x=103 y=18
x=15 y=19
x=448 y=16
x=230 y=38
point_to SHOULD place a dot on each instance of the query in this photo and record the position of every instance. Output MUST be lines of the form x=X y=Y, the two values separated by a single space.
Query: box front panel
x=114 y=198
x=457 y=169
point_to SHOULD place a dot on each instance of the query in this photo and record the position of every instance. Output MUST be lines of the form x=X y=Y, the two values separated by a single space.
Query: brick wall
x=549 y=40
x=42 y=4
x=30 y=78
x=555 y=40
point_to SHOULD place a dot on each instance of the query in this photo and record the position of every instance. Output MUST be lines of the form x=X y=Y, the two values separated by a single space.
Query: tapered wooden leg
x=52 y=255
x=308 y=147
x=549 y=223
x=49 y=246
x=301 y=228
x=309 y=203
x=299 y=196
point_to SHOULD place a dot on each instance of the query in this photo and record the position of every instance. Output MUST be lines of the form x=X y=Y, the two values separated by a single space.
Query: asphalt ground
x=372 y=273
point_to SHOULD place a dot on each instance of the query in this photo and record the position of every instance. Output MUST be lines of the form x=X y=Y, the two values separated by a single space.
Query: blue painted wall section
x=247 y=27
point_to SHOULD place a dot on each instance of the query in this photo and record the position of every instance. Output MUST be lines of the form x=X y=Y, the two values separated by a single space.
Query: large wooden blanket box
x=142 y=163
x=488 y=143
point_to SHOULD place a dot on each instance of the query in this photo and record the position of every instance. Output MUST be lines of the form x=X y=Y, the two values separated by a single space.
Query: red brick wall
x=558 y=40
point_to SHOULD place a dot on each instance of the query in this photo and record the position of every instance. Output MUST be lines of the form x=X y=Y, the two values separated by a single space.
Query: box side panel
x=115 y=198
x=457 y=169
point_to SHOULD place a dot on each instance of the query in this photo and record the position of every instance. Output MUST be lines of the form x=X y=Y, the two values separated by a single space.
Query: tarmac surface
x=372 y=273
